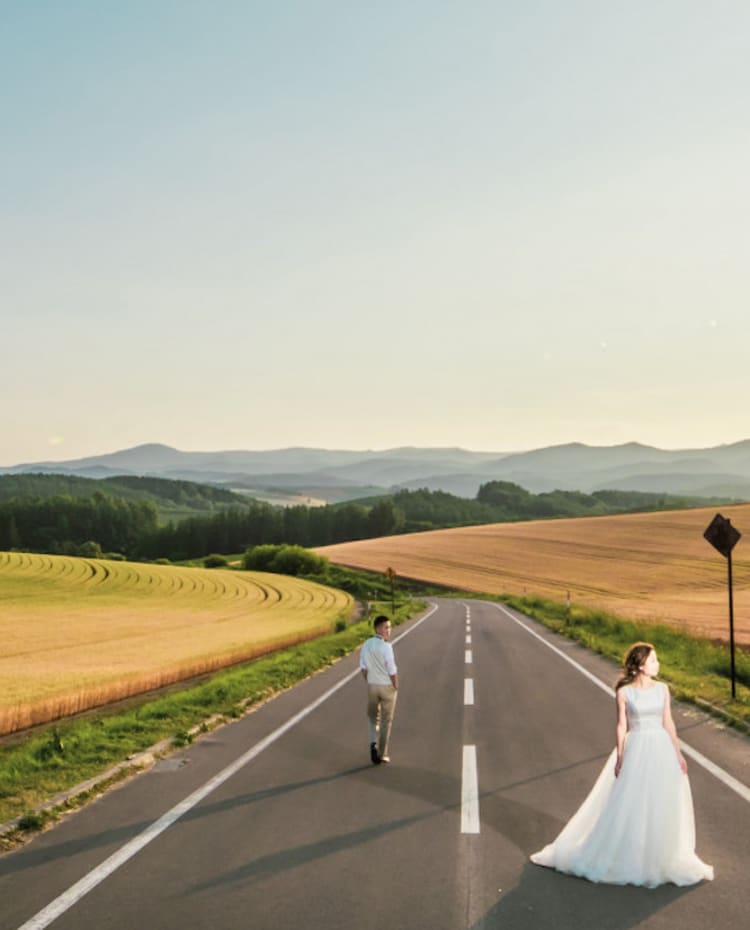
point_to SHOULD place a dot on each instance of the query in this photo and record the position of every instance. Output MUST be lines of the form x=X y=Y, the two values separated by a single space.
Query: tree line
x=63 y=524
x=237 y=529
x=67 y=525
x=164 y=492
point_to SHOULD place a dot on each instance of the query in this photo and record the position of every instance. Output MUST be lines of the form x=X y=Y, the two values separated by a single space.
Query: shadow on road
x=287 y=859
x=437 y=792
x=35 y=855
x=547 y=899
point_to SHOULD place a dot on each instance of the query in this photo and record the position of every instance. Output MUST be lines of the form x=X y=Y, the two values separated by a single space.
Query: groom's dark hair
x=380 y=620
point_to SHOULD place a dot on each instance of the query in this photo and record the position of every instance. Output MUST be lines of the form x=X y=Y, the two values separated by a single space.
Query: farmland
x=651 y=566
x=79 y=633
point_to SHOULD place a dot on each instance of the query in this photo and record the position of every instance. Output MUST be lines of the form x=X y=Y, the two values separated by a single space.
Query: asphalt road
x=297 y=829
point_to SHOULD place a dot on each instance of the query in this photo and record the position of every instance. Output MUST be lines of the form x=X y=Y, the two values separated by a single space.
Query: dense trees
x=74 y=525
x=64 y=524
x=285 y=560
x=232 y=530
x=405 y=511
x=183 y=493
x=384 y=518
x=130 y=487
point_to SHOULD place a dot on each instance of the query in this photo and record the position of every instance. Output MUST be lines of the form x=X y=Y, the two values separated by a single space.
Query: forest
x=165 y=493
x=35 y=516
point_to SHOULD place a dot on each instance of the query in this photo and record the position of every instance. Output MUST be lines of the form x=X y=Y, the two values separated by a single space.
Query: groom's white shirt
x=377 y=659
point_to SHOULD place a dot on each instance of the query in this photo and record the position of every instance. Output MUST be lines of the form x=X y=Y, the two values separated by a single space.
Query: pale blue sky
x=496 y=225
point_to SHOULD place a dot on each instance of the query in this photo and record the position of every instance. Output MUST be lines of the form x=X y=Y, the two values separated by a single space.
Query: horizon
x=368 y=227
x=369 y=451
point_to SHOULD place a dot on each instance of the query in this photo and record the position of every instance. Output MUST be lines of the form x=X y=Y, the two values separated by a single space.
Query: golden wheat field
x=650 y=566
x=77 y=633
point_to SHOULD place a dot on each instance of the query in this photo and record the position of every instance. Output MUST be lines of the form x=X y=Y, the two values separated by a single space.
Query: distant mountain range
x=334 y=475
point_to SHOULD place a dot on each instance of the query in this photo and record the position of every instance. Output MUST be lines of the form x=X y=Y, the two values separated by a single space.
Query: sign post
x=390 y=573
x=723 y=537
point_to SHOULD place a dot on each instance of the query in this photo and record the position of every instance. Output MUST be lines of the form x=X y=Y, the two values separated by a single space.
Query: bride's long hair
x=634 y=659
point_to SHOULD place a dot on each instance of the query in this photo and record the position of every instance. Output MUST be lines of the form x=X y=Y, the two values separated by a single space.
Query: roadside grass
x=698 y=670
x=52 y=760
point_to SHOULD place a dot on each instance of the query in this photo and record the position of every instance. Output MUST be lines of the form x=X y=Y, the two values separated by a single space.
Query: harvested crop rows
x=78 y=633
x=652 y=566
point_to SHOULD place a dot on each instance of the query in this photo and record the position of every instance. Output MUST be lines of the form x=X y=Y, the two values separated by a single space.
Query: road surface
x=280 y=821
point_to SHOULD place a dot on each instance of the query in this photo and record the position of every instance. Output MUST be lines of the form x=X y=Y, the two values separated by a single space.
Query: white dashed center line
x=469 y=792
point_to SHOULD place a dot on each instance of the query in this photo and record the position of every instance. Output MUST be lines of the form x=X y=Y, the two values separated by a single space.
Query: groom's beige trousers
x=381 y=703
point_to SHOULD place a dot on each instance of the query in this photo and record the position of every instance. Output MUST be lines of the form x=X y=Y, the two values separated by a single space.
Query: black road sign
x=722 y=535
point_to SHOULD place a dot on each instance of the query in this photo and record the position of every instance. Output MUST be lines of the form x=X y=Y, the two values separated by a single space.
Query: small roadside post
x=723 y=537
x=390 y=573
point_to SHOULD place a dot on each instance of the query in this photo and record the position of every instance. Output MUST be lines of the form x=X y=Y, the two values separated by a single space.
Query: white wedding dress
x=639 y=828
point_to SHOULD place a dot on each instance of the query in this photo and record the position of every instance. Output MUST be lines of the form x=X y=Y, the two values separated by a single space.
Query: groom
x=378 y=667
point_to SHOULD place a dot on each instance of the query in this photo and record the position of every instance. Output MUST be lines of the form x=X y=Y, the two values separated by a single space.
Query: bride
x=636 y=826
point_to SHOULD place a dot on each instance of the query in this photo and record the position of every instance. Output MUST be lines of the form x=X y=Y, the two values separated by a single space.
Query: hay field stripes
x=135 y=579
x=649 y=566
x=77 y=633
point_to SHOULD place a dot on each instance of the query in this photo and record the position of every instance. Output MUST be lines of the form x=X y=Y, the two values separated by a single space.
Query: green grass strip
x=698 y=670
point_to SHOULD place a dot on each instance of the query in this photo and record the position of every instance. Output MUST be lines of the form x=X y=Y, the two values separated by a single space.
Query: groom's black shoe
x=374 y=754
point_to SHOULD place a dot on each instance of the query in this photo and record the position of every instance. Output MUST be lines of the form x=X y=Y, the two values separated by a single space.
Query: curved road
x=280 y=821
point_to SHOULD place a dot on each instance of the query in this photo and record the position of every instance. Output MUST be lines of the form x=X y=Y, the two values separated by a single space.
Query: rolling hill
x=647 y=566
x=335 y=475
x=173 y=499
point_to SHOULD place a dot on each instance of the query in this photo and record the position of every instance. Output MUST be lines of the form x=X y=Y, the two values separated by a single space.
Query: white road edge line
x=469 y=792
x=468 y=691
x=67 y=899
x=723 y=776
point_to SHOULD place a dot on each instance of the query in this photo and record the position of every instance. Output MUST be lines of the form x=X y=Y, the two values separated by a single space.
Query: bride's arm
x=621 y=729
x=669 y=726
